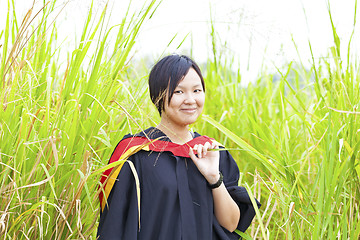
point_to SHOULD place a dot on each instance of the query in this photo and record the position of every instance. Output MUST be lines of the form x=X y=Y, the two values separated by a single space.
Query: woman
x=174 y=185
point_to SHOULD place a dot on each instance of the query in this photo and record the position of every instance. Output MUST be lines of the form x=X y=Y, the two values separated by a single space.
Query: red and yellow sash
x=130 y=146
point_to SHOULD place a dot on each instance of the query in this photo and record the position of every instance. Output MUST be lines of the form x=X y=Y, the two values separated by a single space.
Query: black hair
x=165 y=76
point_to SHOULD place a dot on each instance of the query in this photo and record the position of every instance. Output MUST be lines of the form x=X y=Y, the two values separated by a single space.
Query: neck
x=177 y=134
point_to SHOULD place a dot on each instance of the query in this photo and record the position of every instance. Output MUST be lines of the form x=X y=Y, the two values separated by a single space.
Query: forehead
x=190 y=79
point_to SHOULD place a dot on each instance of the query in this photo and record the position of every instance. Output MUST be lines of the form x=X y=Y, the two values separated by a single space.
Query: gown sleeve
x=119 y=219
x=230 y=171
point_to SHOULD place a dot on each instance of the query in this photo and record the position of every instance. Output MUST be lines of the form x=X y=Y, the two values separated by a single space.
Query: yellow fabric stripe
x=137 y=182
x=113 y=176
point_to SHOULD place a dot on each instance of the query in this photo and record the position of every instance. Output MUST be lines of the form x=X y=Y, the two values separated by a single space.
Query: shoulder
x=224 y=154
x=149 y=133
x=125 y=145
x=130 y=144
x=204 y=138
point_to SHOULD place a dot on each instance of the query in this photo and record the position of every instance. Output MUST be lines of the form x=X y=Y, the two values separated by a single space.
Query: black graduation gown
x=176 y=202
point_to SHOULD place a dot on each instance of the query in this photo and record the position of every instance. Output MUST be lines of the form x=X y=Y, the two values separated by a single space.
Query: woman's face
x=187 y=101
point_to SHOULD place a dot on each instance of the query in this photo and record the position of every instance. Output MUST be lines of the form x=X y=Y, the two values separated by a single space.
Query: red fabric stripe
x=156 y=146
x=177 y=149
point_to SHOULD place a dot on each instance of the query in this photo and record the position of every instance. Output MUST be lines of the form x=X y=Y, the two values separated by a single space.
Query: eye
x=198 y=90
x=177 y=91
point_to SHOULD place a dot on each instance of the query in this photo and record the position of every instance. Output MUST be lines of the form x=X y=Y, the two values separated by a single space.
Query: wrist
x=216 y=182
x=213 y=178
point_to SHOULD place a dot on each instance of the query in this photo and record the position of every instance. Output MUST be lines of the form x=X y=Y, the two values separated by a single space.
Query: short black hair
x=166 y=75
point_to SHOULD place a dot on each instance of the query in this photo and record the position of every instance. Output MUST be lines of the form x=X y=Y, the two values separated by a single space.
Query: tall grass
x=298 y=137
x=57 y=127
x=294 y=133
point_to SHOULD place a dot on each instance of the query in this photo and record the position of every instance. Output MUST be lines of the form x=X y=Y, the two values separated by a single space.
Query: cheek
x=175 y=101
x=201 y=100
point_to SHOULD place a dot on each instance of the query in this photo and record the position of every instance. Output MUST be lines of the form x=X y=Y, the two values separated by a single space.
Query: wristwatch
x=218 y=183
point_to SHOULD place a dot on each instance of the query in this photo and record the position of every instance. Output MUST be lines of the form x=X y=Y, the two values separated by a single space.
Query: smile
x=188 y=110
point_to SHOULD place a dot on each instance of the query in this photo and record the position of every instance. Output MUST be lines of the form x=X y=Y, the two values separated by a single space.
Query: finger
x=192 y=155
x=195 y=147
x=214 y=145
x=205 y=148
x=199 y=150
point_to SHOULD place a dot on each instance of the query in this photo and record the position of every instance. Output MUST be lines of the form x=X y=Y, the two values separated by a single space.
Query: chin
x=189 y=121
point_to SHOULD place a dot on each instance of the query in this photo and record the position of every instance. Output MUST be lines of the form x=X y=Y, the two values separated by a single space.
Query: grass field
x=295 y=133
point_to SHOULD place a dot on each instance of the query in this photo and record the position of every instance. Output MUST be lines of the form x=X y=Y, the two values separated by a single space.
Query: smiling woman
x=185 y=106
x=183 y=188
x=177 y=89
x=187 y=102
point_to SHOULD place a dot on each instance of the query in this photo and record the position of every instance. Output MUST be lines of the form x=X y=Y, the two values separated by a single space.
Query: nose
x=190 y=99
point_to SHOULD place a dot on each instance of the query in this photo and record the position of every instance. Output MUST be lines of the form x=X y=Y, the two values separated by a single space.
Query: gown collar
x=155 y=133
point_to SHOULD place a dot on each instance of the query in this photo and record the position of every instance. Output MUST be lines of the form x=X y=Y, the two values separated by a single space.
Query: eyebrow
x=195 y=86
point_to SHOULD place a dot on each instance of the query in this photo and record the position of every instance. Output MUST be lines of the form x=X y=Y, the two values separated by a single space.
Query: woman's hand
x=226 y=210
x=206 y=161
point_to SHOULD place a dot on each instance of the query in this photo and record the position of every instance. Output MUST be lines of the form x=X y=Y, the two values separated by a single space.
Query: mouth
x=188 y=110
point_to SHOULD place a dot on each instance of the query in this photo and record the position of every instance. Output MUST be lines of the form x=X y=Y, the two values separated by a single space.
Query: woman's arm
x=226 y=210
